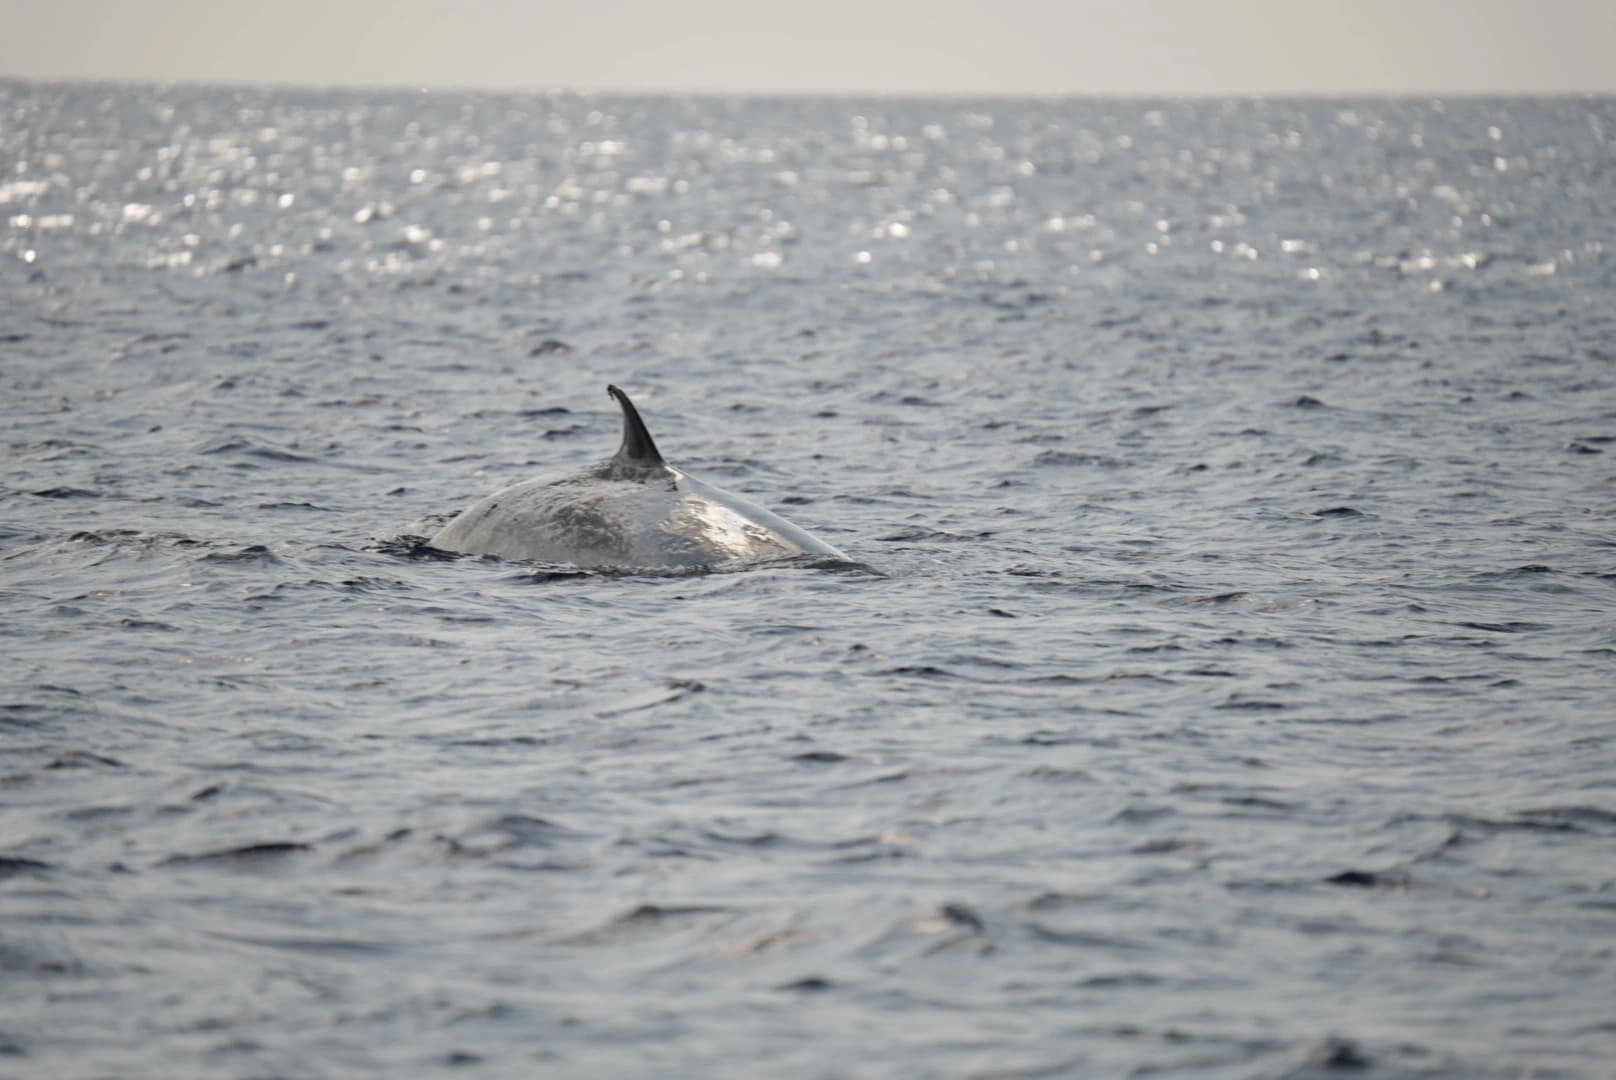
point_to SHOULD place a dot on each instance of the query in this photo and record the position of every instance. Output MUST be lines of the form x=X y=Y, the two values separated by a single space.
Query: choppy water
x=1230 y=695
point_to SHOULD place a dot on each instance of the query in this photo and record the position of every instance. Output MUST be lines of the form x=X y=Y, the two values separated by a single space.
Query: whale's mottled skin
x=633 y=510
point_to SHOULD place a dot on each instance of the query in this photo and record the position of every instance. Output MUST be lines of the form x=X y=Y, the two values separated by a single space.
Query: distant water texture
x=1226 y=686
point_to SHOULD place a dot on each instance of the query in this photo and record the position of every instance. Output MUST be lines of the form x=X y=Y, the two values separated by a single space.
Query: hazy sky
x=887 y=46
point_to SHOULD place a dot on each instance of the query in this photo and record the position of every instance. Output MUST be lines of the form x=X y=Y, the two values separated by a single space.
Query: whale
x=633 y=510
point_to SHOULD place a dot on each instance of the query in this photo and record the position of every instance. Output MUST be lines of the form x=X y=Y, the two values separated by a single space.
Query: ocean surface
x=1224 y=684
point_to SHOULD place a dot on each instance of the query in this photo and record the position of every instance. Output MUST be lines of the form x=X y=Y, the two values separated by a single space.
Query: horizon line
x=808 y=93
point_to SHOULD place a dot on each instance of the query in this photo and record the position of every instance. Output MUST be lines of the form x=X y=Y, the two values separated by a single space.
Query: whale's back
x=609 y=515
x=633 y=510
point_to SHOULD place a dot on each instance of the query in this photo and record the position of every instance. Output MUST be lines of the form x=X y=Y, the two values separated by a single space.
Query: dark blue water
x=1228 y=692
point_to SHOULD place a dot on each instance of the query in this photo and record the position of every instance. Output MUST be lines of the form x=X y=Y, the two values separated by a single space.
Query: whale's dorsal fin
x=637 y=446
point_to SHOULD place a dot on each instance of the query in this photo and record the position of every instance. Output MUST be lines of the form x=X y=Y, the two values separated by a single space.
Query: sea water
x=1224 y=686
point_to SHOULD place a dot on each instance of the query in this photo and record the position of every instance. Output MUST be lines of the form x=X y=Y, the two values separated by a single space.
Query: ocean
x=1223 y=684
